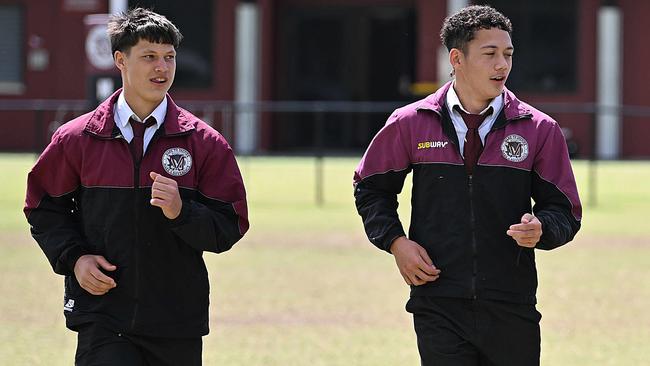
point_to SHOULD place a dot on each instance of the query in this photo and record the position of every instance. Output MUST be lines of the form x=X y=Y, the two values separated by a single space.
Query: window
x=545 y=38
x=11 y=50
x=194 y=59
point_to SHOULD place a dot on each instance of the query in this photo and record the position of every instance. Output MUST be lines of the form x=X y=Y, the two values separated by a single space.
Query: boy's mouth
x=158 y=80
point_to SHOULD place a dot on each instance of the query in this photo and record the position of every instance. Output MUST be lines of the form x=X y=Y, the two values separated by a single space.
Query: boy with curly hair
x=478 y=156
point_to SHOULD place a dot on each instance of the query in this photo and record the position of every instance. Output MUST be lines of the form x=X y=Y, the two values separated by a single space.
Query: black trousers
x=461 y=332
x=97 y=345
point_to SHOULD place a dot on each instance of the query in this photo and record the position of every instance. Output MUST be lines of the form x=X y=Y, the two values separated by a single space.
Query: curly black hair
x=126 y=29
x=458 y=29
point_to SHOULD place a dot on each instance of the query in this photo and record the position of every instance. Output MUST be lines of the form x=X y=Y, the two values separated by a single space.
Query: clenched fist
x=164 y=194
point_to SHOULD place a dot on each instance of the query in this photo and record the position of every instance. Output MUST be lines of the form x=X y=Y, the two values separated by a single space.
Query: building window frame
x=556 y=69
x=12 y=51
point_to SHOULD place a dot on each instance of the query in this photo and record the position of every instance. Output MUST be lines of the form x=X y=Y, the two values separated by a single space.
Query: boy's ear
x=455 y=56
x=119 y=58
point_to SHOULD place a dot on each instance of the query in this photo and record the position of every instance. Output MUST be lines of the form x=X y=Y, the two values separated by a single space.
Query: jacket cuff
x=389 y=237
x=546 y=242
x=181 y=219
x=69 y=258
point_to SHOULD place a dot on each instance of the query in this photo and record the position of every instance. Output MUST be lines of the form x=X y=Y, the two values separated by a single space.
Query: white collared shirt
x=123 y=112
x=459 y=123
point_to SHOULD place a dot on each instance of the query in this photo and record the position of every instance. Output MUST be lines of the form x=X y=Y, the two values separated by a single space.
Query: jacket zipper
x=136 y=185
x=472 y=219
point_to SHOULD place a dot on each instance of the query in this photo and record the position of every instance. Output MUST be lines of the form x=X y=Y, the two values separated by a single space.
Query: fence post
x=227 y=122
x=319 y=131
x=39 y=140
x=592 y=180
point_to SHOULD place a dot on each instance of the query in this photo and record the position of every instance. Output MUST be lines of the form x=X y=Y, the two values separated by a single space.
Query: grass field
x=304 y=287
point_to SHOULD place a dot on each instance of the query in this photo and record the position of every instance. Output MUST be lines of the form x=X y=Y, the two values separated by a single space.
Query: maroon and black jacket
x=85 y=195
x=460 y=219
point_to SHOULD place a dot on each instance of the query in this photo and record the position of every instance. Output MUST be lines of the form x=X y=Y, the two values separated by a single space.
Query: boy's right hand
x=413 y=262
x=90 y=277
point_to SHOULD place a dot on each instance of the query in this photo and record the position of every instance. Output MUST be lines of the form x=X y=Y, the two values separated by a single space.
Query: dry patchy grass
x=294 y=300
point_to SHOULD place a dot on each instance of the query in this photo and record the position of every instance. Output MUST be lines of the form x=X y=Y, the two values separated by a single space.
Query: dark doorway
x=340 y=53
x=194 y=61
x=545 y=37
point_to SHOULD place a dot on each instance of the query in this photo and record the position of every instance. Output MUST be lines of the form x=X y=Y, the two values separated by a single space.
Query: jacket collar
x=102 y=121
x=124 y=113
x=513 y=108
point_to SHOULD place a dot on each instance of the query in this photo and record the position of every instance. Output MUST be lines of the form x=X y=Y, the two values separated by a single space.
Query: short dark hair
x=127 y=28
x=459 y=29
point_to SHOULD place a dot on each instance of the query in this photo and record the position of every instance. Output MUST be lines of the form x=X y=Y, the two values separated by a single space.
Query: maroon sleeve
x=49 y=205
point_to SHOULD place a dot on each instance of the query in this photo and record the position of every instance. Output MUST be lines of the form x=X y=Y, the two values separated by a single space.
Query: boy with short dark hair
x=125 y=200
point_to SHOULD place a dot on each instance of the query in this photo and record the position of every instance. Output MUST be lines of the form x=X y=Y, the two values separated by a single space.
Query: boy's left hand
x=164 y=194
x=528 y=232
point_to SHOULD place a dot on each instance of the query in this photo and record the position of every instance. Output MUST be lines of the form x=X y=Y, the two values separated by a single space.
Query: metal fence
x=226 y=113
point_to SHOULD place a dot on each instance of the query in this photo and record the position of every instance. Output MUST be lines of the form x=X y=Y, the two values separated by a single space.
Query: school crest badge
x=514 y=148
x=177 y=161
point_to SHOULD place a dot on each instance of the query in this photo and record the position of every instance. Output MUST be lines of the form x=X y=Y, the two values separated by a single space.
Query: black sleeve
x=219 y=217
x=208 y=225
x=554 y=212
x=557 y=204
x=57 y=232
x=50 y=209
x=376 y=202
x=378 y=180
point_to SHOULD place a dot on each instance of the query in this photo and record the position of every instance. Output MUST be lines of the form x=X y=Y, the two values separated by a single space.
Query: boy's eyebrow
x=495 y=47
x=149 y=50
